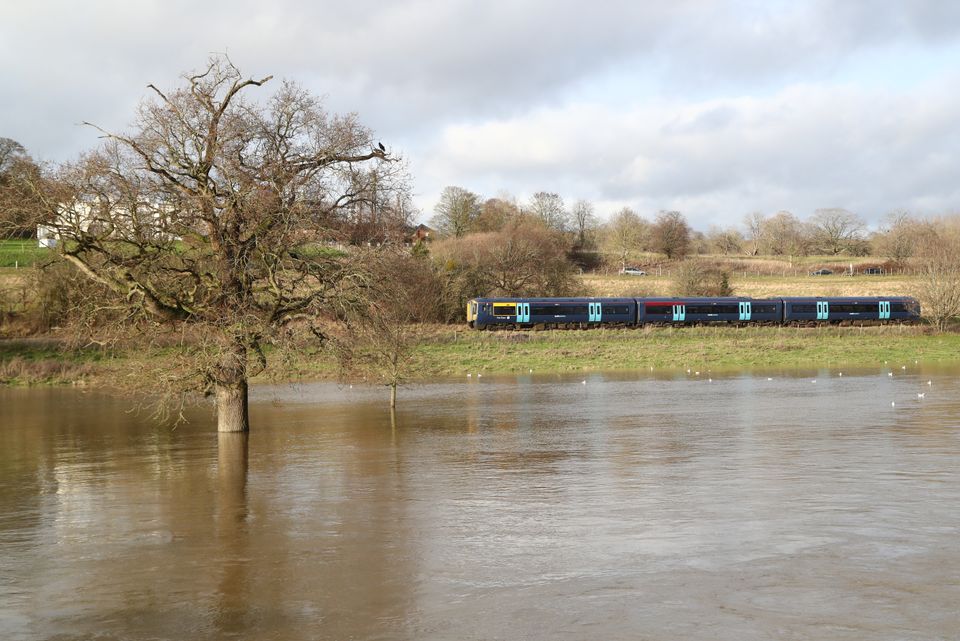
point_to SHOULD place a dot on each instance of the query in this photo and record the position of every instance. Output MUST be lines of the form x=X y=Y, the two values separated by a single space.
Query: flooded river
x=774 y=505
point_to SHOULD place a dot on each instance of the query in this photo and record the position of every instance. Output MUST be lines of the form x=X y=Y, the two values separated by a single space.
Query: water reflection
x=662 y=506
x=233 y=589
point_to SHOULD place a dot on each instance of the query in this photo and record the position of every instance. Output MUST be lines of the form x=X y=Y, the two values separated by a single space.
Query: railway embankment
x=444 y=352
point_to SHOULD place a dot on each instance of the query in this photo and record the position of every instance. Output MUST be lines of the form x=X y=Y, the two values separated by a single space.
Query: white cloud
x=801 y=148
x=714 y=108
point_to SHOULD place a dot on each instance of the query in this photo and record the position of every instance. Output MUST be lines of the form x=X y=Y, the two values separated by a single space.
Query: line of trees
x=213 y=218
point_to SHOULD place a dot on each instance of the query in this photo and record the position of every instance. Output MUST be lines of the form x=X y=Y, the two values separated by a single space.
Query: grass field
x=20 y=253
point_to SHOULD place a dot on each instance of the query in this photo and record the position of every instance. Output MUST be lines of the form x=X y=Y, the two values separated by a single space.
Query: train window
x=558 y=310
x=504 y=309
x=659 y=310
x=764 y=309
x=616 y=309
x=804 y=308
x=713 y=309
x=898 y=307
x=853 y=308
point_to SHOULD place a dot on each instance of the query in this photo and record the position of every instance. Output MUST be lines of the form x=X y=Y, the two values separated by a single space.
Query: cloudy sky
x=716 y=109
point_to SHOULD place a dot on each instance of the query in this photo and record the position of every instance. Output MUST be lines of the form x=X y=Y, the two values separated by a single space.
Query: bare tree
x=671 y=234
x=836 y=230
x=209 y=216
x=624 y=235
x=549 y=208
x=726 y=241
x=381 y=336
x=584 y=220
x=754 y=222
x=19 y=177
x=457 y=211
x=523 y=259
x=496 y=213
x=897 y=238
x=785 y=235
x=939 y=283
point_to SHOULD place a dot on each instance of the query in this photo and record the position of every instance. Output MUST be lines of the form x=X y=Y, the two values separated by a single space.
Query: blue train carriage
x=483 y=313
x=709 y=310
x=851 y=308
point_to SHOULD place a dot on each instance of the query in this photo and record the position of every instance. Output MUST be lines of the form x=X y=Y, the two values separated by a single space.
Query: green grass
x=21 y=253
x=450 y=352
x=680 y=348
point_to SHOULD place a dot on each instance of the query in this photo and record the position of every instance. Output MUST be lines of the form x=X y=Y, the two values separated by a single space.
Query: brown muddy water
x=646 y=506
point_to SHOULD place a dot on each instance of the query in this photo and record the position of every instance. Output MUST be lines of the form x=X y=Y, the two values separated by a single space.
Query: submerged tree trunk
x=232 y=411
x=393 y=395
x=231 y=390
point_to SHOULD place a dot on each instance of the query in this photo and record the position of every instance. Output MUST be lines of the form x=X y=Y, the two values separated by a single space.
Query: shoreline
x=448 y=353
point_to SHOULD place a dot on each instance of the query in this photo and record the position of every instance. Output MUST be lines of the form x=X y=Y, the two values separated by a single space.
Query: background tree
x=754 y=223
x=897 y=238
x=523 y=259
x=207 y=217
x=671 y=234
x=20 y=177
x=456 y=212
x=584 y=221
x=785 y=235
x=836 y=230
x=727 y=241
x=495 y=213
x=939 y=283
x=624 y=235
x=549 y=208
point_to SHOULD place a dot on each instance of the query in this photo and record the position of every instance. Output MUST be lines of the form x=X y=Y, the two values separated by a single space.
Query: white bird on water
x=583 y=382
x=921 y=394
x=929 y=382
x=841 y=373
x=889 y=373
x=893 y=403
x=814 y=381
x=769 y=379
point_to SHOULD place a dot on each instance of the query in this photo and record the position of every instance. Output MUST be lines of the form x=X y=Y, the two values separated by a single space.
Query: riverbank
x=450 y=352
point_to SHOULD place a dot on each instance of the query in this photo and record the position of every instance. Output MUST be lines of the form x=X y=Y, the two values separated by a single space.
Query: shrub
x=693 y=278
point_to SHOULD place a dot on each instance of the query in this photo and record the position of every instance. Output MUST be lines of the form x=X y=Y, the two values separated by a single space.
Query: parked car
x=821 y=272
x=633 y=271
x=873 y=270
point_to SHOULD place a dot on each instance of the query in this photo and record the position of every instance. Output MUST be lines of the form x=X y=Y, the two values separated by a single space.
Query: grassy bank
x=681 y=348
x=448 y=352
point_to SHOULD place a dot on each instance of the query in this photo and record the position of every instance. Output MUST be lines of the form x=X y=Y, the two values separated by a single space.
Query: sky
x=715 y=109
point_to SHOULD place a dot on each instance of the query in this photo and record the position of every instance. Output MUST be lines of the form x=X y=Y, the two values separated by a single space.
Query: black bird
x=382 y=148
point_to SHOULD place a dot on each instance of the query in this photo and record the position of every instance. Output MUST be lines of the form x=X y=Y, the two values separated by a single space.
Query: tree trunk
x=393 y=395
x=232 y=412
x=231 y=390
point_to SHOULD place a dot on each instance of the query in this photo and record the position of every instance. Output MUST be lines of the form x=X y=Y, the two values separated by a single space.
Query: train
x=526 y=313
